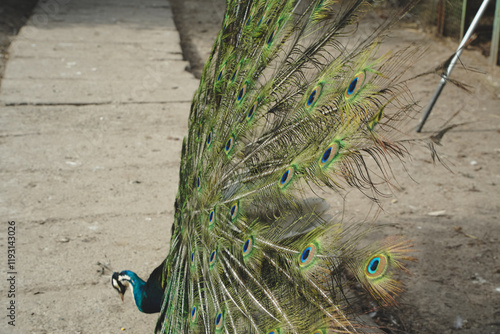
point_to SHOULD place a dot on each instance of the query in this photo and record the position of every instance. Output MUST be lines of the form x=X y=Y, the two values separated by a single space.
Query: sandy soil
x=451 y=215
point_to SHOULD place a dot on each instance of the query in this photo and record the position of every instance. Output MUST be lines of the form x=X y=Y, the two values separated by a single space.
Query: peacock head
x=120 y=282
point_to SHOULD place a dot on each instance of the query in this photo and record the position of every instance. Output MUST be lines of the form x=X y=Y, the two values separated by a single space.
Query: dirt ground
x=452 y=215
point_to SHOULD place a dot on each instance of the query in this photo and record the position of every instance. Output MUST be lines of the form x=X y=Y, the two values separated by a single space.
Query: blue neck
x=148 y=296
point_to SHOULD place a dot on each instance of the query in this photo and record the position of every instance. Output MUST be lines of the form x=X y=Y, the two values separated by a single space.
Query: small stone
x=473 y=163
x=64 y=240
x=437 y=213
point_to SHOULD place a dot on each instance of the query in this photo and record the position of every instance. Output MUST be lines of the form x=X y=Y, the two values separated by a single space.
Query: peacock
x=291 y=101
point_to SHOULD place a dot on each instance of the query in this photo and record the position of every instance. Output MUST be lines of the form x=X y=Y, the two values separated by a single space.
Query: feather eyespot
x=209 y=139
x=213 y=258
x=314 y=96
x=198 y=182
x=273 y=34
x=194 y=313
x=250 y=17
x=219 y=321
x=260 y=21
x=242 y=92
x=274 y=331
x=233 y=78
x=376 y=266
x=355 y=85
x=286 y=177
x=247 y=247
x=251 y=111
x=234 y=211
x=229 y=145
x=211 y=218
x=307 y=255
x=329 y=154
x=192 y=257
x=221 y=73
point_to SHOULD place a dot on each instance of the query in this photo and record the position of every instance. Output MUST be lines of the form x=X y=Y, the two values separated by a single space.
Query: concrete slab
x=96 y=100
x=153 y=51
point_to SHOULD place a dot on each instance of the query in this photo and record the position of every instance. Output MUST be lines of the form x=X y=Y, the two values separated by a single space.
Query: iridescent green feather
x=285 y=104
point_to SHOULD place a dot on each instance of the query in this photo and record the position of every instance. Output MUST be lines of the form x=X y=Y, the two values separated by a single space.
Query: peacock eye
x=235 y=73
x=229 y=145
x=213 y=258
x=314 y=96
x=376 y=266
x=198 y=182
x=242 y=92
x=219 y=321
x=271 y=37
x=329 y=154
x=234 y=211
x=209 y=139
x=355 y=84
x=247 y=247
x=286 y=177
x=251 y=111
x=193 y=314
x=211 y=218
x=221 y=73
x=307 y=255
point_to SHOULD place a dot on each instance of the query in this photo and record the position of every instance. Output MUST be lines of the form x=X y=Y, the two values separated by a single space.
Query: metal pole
x=464 y=14
x=454 y=60
x=496 y=36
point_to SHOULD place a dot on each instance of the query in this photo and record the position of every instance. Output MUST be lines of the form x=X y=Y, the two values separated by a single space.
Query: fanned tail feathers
x=288 y=101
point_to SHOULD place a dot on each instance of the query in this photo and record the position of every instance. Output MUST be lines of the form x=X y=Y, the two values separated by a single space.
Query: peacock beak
x=117 y=285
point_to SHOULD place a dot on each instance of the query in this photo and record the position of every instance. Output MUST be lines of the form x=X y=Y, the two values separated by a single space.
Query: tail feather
x=287 y=102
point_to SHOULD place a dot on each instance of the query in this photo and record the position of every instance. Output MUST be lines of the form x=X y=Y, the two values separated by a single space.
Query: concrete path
x=94 y=106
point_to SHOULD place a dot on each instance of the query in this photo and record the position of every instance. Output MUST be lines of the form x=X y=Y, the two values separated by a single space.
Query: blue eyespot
x=251 y=111
x=314 y=96
x=326 y=155
x=229 y=145
x=221 y=73
x=373 y=265
x=331 y=152
x=307 y=255
x=219 y=321
x=352 y=86
x=193 y=314
x=211 y=218
x=376 y=266
x=234 y=211
x=286 y=177
x=311 y=98
x=235 y=73
x=209 y=138
x=213 y=257
x=247 y=247
x=355 y=84
x=242 y=92
x=271 y=37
